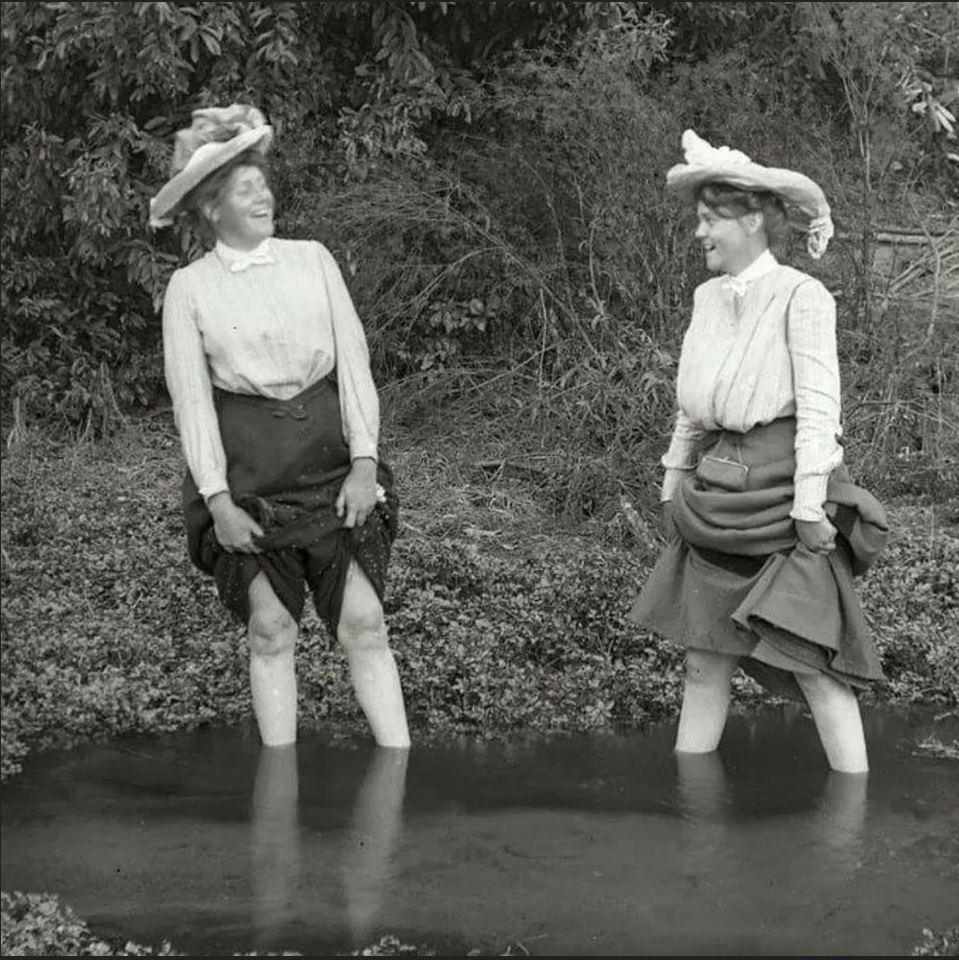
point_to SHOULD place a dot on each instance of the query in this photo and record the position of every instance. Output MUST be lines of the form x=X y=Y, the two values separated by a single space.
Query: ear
x=211 y=212
x=754 y=221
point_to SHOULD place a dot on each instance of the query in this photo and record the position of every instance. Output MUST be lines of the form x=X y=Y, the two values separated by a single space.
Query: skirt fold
x=286 y=463
x=737 y=580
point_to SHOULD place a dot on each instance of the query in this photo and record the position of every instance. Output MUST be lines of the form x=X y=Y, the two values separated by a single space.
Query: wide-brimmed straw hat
x=805 y=203
x=216 y=136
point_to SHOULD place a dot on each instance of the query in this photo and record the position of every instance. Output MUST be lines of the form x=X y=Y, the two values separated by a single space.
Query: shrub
x=912 y=602
x=942 y=943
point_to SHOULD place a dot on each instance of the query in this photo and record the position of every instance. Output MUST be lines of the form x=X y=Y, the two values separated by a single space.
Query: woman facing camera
x=268 y=369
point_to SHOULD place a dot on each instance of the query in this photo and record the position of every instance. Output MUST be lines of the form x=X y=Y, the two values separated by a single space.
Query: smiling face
x=730 y=243
x=242 y=215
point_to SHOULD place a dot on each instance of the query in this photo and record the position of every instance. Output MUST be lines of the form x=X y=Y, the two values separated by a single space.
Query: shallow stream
x=599 y=845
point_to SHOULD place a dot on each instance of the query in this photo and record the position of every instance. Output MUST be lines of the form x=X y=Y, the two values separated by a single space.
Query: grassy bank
x=504 y=615
x=507 y=602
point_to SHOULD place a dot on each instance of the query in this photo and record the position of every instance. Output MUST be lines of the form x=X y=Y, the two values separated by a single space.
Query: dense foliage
x=491 y=175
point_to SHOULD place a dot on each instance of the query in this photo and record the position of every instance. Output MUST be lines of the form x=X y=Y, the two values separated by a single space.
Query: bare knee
x=819 y=688
x=707 y=669
x=271 y=630
x=362 y=626
x=809 y=683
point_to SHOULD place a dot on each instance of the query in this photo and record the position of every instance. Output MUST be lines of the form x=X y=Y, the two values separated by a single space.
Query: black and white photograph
x=479 y=479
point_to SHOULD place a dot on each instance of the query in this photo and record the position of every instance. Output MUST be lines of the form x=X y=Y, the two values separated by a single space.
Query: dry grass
x=491 y=465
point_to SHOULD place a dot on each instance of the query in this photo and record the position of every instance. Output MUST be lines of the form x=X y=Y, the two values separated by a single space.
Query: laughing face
x=728 y=242
x=243 y=217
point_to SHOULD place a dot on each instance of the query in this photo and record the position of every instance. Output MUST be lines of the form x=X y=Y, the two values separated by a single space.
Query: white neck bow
x=736 y=285
x=239 y=260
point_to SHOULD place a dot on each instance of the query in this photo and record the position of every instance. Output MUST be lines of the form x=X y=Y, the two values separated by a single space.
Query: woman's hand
x=235 y=529
x=357 y=498
x=819 y=536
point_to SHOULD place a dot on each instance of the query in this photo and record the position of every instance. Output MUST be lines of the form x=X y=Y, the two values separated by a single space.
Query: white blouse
x=761 y=346
x=269 y=323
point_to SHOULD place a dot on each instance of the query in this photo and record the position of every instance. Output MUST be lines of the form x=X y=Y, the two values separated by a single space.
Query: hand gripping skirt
x=286 y=463
x=737 y=580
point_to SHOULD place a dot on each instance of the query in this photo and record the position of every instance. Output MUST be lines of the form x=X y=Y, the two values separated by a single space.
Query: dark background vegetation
x=491 y=178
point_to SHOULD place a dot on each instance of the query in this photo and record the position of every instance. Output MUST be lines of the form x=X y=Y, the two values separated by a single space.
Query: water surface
x=573 y=846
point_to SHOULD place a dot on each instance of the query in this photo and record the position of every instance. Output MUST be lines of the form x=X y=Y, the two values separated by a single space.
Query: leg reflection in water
x=367 y=854
x=703 y=788
x=376 y=828
x=839 y=824
x=275 y=840
x=760 y=867
x=703 y=794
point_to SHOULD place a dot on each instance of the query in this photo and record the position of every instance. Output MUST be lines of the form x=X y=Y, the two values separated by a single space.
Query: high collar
x=762 y=265
x=231 y=255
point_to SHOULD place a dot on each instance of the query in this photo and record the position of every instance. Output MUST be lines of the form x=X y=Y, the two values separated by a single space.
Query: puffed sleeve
x=811 y=338
x=680 y=458
x=190 y=389
x=681 y=455
x=359 y=401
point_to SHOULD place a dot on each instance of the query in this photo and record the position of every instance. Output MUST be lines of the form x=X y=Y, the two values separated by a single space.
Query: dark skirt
x=286 y=463
x=736 y=580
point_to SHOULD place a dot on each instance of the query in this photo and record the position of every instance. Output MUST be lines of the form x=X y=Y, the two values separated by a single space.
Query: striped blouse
x=269 y=324
x=761 y=346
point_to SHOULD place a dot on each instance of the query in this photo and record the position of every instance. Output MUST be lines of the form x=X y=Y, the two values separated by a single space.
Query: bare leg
x=835 y=710
x=272 y=634
x=376 y=681
x=705 y=700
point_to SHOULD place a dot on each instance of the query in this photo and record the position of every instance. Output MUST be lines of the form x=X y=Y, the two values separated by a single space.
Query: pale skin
x=730 y=244
x=242 y=218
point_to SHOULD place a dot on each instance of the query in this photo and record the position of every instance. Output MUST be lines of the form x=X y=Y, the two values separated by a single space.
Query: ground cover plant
x=502 y=621
x=41 y=926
